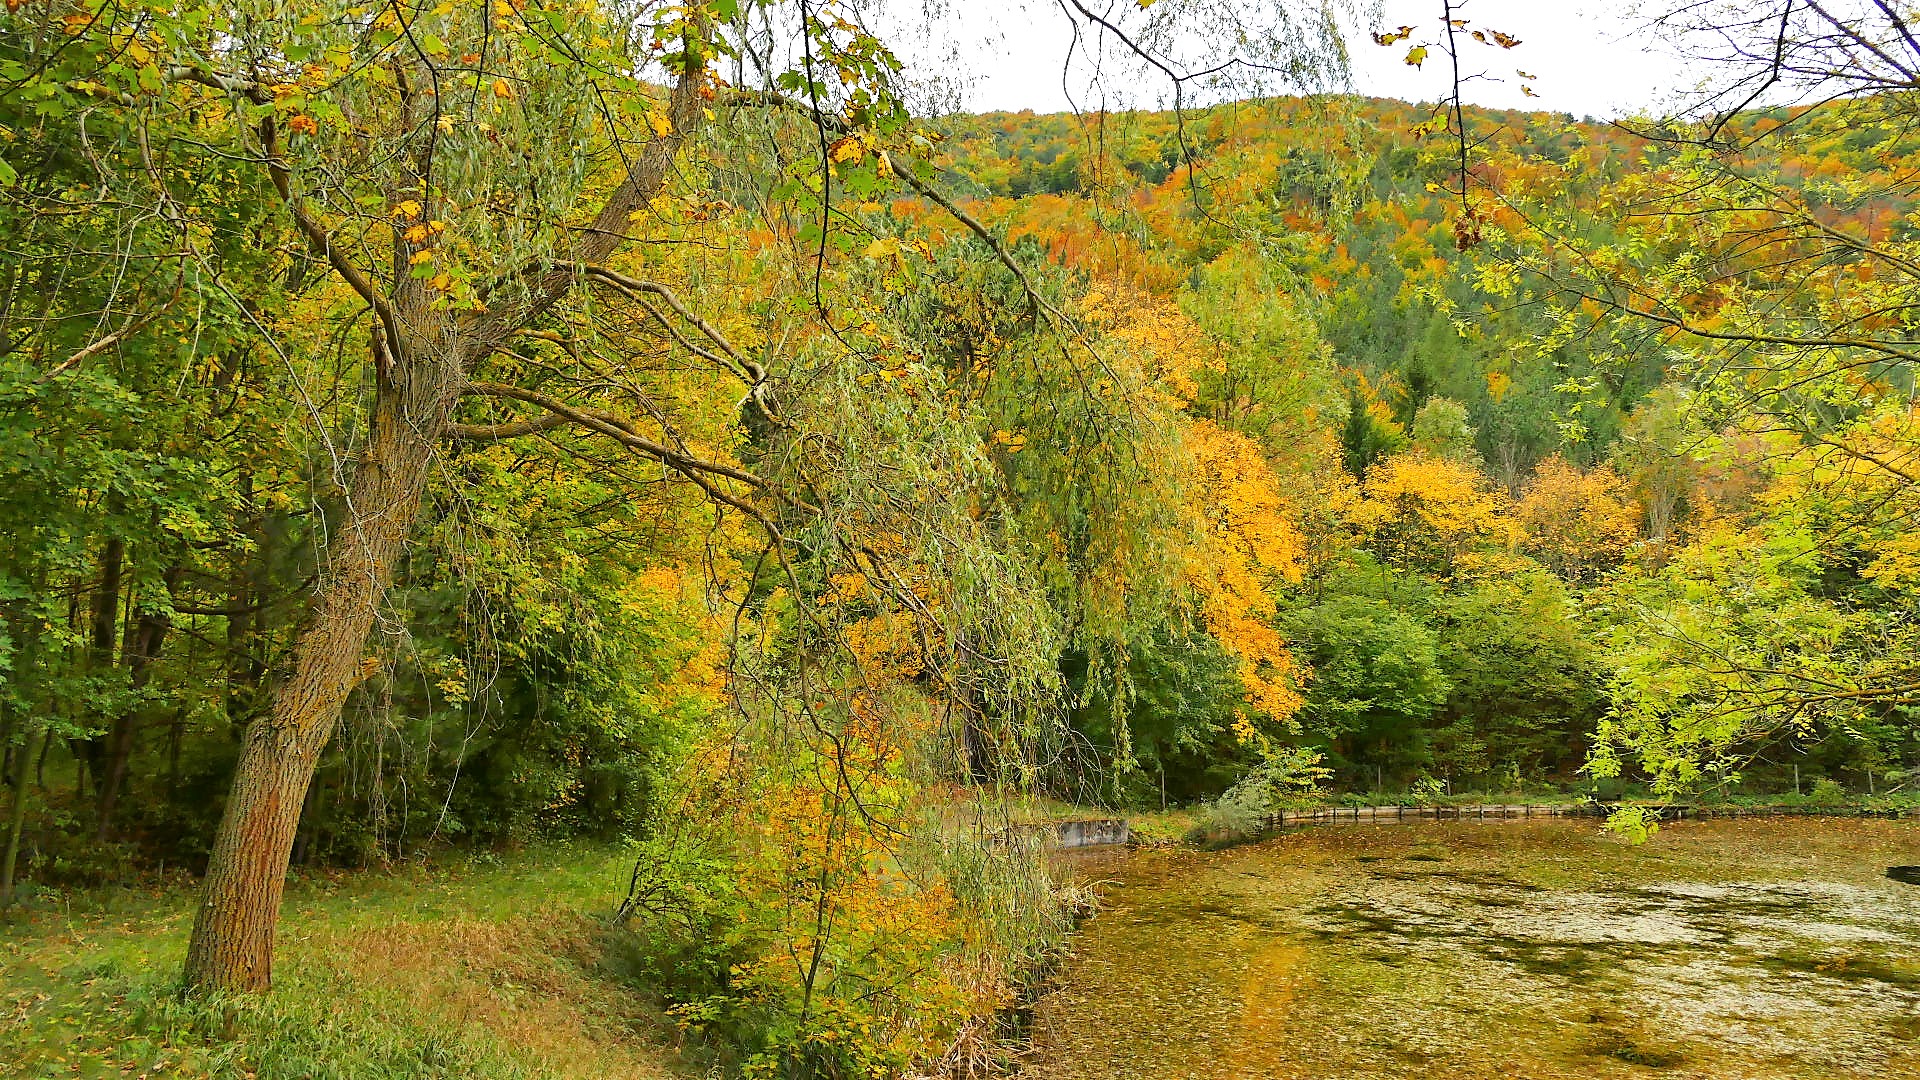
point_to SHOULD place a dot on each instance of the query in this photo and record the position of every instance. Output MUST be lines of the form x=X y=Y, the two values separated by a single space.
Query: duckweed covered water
x=1523 y=950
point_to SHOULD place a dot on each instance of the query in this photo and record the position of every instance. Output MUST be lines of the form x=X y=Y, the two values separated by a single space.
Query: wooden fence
x=1360 y=815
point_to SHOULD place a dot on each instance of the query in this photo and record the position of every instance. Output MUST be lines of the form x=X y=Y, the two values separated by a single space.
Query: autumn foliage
x=1579 y=522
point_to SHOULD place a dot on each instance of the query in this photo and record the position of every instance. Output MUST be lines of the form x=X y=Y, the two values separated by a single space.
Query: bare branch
x=322 y=241
x=605 y=423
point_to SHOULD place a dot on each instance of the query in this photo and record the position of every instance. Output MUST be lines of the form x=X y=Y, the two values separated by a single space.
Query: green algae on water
x=1757 y=950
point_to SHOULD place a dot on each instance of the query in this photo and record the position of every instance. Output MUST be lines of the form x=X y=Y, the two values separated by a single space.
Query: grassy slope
x=489 y=967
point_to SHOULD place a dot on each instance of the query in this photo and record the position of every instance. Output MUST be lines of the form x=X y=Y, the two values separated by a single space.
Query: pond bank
x=1762 y=949
x=1280 y=821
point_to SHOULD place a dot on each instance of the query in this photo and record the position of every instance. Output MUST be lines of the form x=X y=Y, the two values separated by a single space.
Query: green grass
x=482 y=967
x=1148 y=826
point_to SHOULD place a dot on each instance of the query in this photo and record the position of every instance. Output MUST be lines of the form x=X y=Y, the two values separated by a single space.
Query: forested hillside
x=1542 y=533
x=417 y=431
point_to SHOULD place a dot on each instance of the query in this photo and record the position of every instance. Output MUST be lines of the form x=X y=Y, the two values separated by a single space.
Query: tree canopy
x=430 y=423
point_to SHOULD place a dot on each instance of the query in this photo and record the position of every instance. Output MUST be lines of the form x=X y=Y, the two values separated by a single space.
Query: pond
x=1519 y=950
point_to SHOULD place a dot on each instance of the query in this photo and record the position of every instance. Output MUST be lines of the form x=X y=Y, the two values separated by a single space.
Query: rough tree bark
x=232 y=943
x=428 y=355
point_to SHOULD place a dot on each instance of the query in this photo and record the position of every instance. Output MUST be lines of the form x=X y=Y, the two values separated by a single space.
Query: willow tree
x=462 y=176
x=458 y=170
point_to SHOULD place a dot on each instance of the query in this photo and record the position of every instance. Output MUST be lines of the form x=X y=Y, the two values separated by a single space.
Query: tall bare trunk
x=244 y=589
x=138 y=650
x=232 y=943
x=103 y=619
x=17 y=816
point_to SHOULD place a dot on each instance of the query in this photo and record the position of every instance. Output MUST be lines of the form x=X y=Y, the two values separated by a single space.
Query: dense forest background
x=1508 y=502
x=897 y=470
x=1479 y=510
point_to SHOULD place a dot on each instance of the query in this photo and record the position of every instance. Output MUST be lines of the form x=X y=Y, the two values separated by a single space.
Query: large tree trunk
x=232 y=943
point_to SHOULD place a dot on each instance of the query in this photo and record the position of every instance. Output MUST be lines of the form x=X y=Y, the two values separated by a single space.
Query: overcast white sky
x=1588 y=55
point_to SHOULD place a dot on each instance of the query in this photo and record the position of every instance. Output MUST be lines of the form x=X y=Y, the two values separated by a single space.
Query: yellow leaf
x=847 y=148
x=662 y=126
x=1416 y=56
x=407 y=209
x=501 y=89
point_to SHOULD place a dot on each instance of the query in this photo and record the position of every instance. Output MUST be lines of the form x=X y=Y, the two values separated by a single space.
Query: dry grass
x=535 y=984
x=485 y=969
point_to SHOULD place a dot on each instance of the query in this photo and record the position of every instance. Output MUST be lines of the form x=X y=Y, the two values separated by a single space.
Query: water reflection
x=1749 y=949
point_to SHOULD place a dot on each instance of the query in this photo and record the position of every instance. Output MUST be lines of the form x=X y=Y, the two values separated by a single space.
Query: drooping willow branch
x=835 y=125
x=729 y=359
x=701 y=471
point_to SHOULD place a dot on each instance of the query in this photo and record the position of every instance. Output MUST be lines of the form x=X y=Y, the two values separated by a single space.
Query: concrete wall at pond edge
x=1093 y=832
